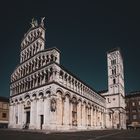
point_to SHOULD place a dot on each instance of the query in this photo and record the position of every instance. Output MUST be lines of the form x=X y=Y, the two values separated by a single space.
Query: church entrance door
x=41 y=121
x=27 y=119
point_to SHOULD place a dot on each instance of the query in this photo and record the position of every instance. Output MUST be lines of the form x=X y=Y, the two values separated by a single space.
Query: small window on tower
x=108 y=100
x=133 y=103
x=134 y=117
x=114 y=71
x=113 y=62
x=114 y=81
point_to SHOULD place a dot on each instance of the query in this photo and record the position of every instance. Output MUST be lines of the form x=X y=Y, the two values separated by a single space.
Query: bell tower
x=115 y=96
x=115 y=72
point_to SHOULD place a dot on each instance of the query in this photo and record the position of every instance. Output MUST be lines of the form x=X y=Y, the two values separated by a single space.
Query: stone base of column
x=15 y=126
x=10 y=125
x=31 y=126
x=81 y=127
x=64 y=127
x=49 y=127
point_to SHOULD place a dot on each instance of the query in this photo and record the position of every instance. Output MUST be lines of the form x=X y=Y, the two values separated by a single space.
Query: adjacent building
x=4 y=112
x=45 y=95
x=133 y=108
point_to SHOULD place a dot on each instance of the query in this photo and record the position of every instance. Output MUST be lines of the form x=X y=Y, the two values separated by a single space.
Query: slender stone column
x=70 y=113
x=57 y=76
x=86 y=116
x=37 y=113
x=101 y=123
x=83 y=115
x=91 y=116
x=40 y=111
x=19 y=114
x=79 y=114
x=95 y=117
x=59 y=110
x=33 y=114
x=43 y=80
x=66 y=112
x=46 y=113
x=11 y=116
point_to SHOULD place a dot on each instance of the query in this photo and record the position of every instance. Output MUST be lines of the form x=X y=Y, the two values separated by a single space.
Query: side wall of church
x=55 y=108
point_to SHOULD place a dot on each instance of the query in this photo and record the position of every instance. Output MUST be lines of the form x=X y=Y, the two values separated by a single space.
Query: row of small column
x=31 y=50
x=75 y=85
x=32 y=66
x=31 y=37
x=33 y=81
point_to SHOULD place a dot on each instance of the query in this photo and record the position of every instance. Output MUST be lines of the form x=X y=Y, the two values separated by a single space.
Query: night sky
x=82 y=30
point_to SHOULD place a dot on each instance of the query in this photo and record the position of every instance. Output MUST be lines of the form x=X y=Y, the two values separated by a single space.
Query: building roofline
x=114 y=49
x=103 y=91
x=29 y=30
x=79 y=79
x=4 y=99
x=133 y=94
x=45 y=50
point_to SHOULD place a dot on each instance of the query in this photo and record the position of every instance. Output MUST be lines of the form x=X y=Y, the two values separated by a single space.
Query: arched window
x=114 y=71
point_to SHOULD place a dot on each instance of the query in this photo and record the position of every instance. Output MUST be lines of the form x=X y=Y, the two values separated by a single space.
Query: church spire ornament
x=42 y=21
x=34 y=23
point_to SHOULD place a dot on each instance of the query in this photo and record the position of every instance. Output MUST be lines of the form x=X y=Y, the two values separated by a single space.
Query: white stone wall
x=89 y=115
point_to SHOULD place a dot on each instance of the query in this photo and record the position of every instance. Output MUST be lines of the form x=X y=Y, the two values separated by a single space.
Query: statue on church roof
x=42 y=21
x=34 y=23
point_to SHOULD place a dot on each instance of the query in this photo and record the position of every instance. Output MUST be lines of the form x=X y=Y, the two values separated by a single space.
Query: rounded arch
x=89 y=103
x=80 y=99
x=48 y=92
x=16 y=100
x=34 y=95
x=84 y=102
x=74 y=99
x=41 y=94
x=95 y=106
x=20 y=99
x=60 y=91
x=27 y=96
x=11 y=101
x=67 y=94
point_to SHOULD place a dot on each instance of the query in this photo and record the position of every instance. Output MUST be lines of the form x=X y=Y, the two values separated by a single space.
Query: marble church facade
x=44 y=95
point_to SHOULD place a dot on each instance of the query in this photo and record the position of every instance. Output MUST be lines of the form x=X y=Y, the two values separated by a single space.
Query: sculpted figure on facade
x=53 y=105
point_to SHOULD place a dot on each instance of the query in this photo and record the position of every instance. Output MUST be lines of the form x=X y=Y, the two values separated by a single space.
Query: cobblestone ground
x=84 y=135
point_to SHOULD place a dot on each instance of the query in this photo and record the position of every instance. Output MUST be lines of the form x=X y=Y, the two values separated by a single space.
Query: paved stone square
x=84 y=135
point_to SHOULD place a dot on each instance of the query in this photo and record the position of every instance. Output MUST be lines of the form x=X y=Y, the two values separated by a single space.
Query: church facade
x=45 y=95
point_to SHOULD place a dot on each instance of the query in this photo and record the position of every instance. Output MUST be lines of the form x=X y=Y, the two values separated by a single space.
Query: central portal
x=27 y=118
x=41 y=121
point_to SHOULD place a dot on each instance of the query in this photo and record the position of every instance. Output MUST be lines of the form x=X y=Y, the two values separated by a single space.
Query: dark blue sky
x=83 y=31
